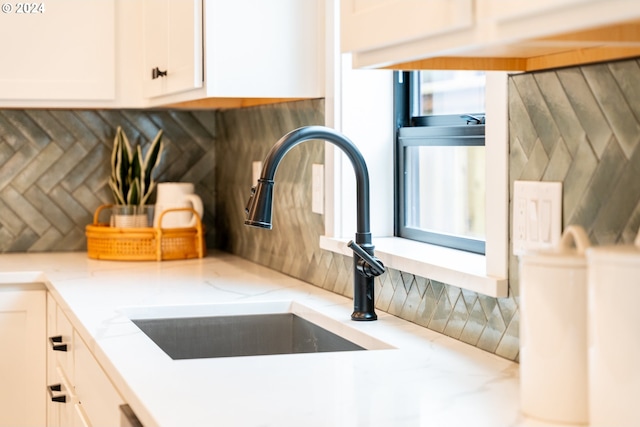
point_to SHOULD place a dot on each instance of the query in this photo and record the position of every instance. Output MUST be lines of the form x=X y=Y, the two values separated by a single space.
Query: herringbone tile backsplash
x=581 y=126
x=576 y=125
x=54 y=168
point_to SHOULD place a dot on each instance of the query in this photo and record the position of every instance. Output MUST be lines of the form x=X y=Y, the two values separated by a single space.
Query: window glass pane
x=445 y=189
x=451 y=92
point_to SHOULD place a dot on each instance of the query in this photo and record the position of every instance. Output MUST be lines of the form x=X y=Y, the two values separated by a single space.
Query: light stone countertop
x=428 y=379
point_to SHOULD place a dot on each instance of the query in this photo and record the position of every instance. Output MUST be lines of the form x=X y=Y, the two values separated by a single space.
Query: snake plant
x=132 y=180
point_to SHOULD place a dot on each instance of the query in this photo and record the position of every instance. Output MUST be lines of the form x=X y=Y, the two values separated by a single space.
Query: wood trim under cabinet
x=600 y=44
x=227 y=103
x=542 y=62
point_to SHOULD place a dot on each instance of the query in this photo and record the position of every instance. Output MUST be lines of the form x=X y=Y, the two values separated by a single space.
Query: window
x=450 y=92
x=440 y=158
x=359 y=104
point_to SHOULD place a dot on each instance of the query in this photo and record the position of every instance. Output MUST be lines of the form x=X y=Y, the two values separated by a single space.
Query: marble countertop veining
x=428 y=379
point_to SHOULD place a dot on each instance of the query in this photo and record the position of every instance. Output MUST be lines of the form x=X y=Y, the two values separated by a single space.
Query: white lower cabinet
x=80 y=392
x=22 y=329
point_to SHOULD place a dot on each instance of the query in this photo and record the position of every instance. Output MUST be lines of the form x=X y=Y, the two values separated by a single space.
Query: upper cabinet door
x=371 y=27
x=506 y=35
x=553 y=19
x=264 y=49
x=172 y=46
x=58 y=50
x=514 y=9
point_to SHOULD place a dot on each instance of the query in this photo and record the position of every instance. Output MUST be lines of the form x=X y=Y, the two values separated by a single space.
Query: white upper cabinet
x=257 y=48
x=215 y=53
x=254 y=51
x=172 y=46
x=58 y=50
x=488 y=34
x=515 y=9
x=376 y=29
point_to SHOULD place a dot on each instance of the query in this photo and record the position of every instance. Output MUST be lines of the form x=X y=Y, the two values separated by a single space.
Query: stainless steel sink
x=232 y=330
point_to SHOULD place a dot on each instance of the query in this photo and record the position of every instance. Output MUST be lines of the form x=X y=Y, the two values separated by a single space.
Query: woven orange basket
x=144 y=243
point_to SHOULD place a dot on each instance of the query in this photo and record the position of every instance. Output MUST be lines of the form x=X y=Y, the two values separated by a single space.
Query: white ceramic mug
x=176 y=195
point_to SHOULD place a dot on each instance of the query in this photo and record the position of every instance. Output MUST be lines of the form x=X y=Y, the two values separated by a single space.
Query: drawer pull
x=56 y=343
x=61 y=398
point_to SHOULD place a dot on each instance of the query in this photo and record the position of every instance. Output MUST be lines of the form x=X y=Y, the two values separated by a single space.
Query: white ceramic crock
x=614 y=335
x=553 y=331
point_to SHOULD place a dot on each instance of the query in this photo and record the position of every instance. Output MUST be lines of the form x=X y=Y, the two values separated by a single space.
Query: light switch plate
x=317 y=183
x=537 y=215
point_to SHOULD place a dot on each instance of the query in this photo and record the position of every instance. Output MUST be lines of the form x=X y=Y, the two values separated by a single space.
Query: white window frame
x=359 y=104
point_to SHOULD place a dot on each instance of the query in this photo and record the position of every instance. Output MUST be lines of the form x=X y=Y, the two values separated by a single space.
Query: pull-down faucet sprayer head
x=260 y=204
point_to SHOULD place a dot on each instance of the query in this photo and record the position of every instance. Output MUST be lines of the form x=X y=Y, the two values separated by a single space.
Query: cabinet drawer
x=98 y=398
x=61 y=344
x=61 y=400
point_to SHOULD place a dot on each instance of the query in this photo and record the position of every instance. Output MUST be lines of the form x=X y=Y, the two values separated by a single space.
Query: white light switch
x=537 y=215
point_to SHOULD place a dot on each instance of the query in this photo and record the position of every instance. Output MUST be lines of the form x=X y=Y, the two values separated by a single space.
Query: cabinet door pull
x=155 y=73
x=56 y=343
x=62 y=398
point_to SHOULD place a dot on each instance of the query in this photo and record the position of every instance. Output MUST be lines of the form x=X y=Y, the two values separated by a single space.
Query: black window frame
x=413 y=129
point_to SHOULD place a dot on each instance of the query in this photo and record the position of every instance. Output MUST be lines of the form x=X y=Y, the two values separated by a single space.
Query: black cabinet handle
x=56 y=343
x=61 y=398
x=155 y=73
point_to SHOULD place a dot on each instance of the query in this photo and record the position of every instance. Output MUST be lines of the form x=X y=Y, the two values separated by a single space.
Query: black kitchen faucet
x=259 y=208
